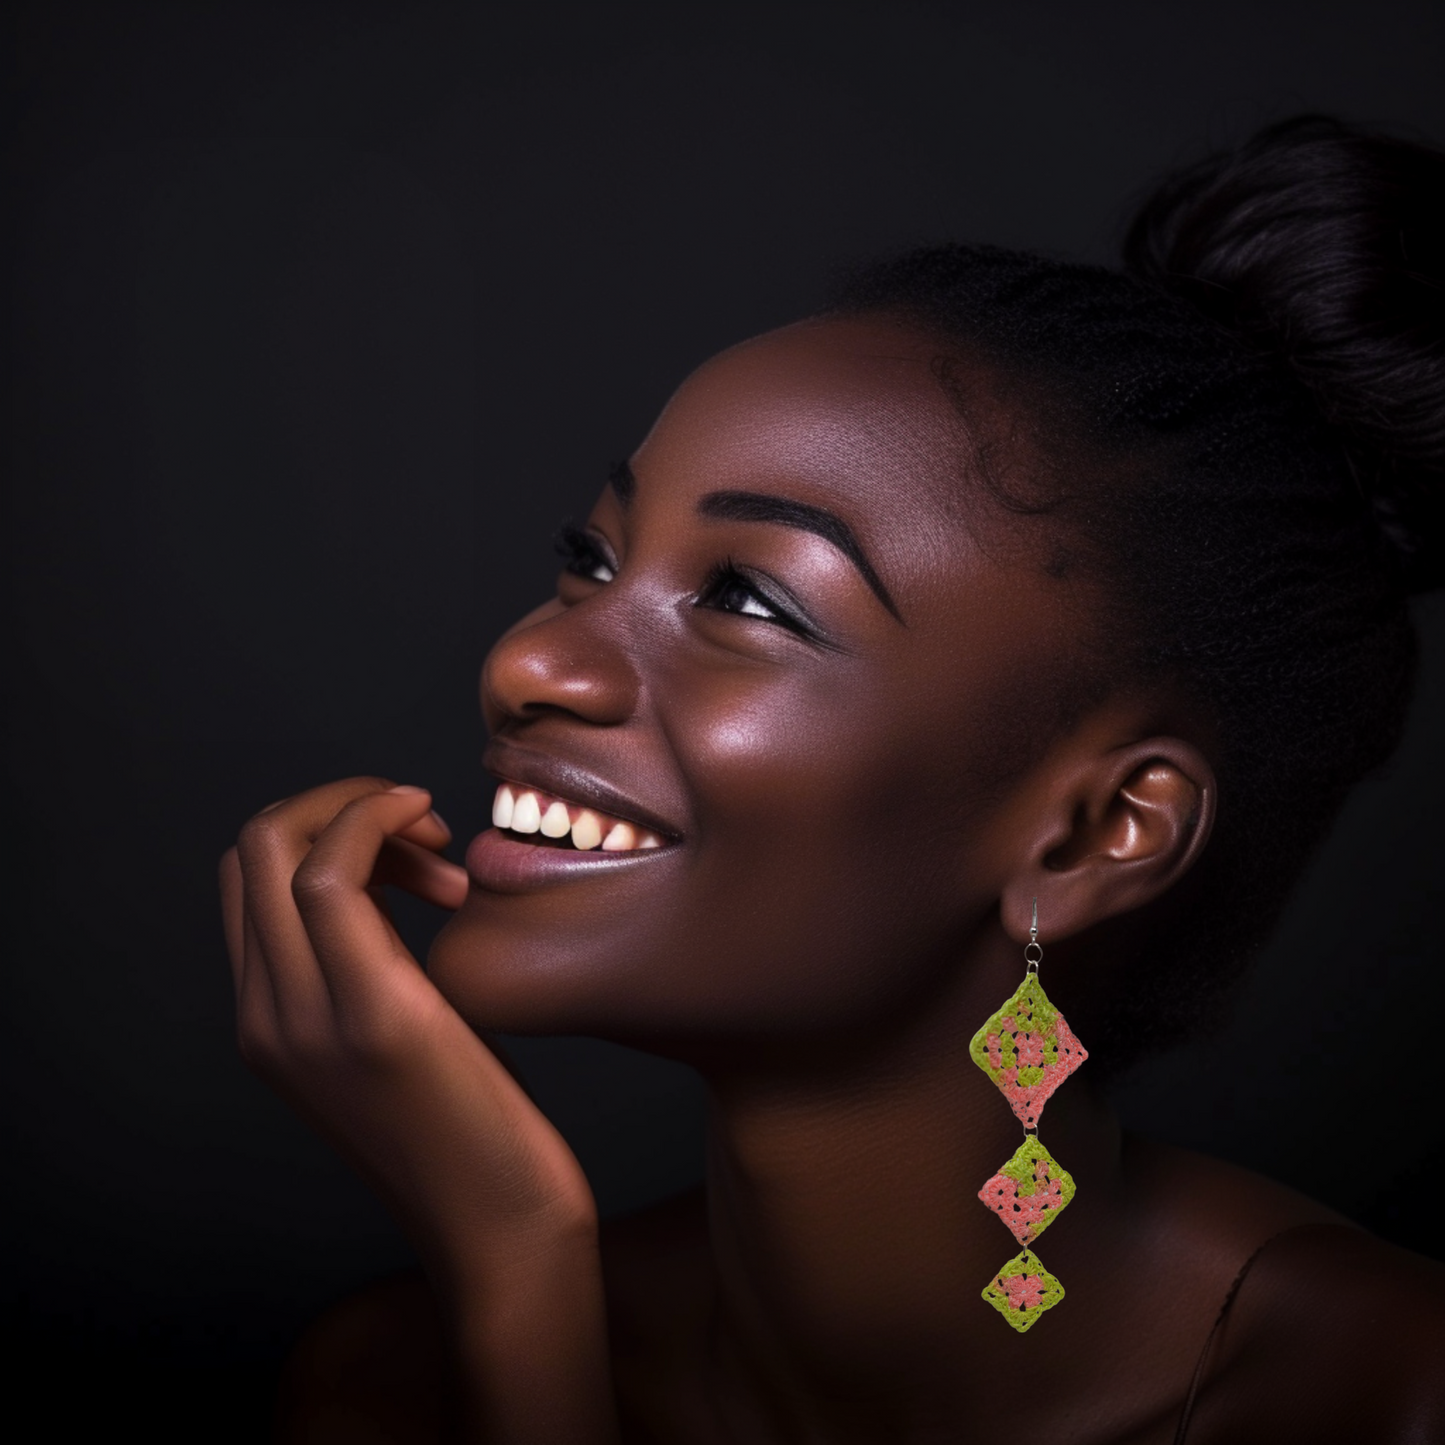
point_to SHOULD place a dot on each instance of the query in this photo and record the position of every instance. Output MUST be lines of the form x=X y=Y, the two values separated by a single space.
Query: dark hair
x=1251 y=421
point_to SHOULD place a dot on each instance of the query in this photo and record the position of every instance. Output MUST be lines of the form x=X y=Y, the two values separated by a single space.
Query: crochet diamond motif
x=1029 y=1191
x=1028 y=1050
x=1022 y=1290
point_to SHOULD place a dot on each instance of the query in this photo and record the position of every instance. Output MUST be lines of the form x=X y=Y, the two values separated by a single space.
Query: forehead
x=846 y=414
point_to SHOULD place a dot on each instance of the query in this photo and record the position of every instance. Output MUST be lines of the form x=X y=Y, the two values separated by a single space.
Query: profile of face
x=797 y=645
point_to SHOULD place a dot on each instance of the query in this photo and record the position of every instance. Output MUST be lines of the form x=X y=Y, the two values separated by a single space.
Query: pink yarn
x=1030 y=1051
x=1023 y=1213
x=1024 y=1291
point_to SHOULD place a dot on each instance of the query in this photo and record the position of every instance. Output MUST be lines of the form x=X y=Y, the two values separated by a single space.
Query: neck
x=849 y=1243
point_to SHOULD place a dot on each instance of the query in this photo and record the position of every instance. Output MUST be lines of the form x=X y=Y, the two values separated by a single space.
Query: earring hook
x=1033 y=949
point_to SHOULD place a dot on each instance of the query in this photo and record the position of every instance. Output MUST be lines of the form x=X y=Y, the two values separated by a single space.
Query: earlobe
x=1125 y=828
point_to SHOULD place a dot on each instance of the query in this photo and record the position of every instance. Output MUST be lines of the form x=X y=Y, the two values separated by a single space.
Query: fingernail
x=406 y=788
x=439 y=821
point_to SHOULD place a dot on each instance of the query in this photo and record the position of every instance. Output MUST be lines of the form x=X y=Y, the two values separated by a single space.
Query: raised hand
x=337 y=1016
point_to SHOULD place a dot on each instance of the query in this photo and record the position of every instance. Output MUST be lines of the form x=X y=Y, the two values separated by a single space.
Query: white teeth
x=528 y=812
x=555 y=822
x=502 y=806
x=622 y=839
x=526 y=816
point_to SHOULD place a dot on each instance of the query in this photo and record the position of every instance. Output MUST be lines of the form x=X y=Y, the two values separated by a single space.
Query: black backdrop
x=325 y=316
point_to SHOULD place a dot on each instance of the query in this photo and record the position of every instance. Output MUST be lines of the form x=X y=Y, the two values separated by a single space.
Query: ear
x=1118 y=829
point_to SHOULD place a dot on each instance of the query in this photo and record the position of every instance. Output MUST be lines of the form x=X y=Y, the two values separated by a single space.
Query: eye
x=584 y=555
x=729 y=589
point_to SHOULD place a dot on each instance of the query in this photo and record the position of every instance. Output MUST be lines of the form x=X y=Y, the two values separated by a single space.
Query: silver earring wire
x=1033 y=949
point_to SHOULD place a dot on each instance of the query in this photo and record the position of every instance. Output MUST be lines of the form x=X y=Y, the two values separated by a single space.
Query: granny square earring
x=1028 y=1050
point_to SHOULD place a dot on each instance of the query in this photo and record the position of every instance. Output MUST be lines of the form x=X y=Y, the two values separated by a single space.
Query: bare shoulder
x=1326 y=1333
x=1336 y=1336
x=369 y=1371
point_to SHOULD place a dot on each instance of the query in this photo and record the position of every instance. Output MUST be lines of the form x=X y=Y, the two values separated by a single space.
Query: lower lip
x=501 y=864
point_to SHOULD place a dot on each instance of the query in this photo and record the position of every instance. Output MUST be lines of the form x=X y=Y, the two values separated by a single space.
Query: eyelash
x=583 y=557
x=727 y=574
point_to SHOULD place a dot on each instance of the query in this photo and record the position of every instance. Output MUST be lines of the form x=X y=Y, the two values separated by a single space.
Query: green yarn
x=1028 y=1192
x=1022 y=1290
x=1030 y=1009
x=1022 y=1171
x=1027 y=1049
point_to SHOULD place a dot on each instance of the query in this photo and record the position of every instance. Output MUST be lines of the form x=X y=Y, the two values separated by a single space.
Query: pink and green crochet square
x=1029 y=1191
x=1022 y=1290
x=1028 y=1050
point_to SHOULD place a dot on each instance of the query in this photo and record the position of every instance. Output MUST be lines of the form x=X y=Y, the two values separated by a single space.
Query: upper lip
x=569 y=781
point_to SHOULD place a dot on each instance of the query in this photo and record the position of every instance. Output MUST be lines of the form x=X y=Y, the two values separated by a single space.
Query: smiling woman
x=1006 y=606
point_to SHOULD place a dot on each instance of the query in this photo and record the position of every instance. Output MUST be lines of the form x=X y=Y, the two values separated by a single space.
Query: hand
x=337 y=1015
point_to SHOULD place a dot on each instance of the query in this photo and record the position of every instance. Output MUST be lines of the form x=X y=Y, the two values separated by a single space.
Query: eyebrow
x=763 y=507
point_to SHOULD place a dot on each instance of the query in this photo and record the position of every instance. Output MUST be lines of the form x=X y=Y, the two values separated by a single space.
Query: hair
x=1251 y=419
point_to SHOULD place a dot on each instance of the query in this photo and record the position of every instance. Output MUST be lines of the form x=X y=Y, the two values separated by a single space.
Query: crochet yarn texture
x=1029 y=1192
x=1027 y=1049
x=1022 y=1290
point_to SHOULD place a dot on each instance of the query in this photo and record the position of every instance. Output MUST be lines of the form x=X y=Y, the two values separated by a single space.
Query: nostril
x=552 y=661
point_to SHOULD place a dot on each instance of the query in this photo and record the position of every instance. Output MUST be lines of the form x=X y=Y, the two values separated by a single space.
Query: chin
x=534 y=964
x=516 y=974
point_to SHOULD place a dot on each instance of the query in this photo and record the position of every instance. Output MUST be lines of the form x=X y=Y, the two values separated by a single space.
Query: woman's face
x=780 y=647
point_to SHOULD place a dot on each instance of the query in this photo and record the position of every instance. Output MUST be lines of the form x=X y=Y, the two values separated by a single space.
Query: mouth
x=528 y=815
x=554 y=820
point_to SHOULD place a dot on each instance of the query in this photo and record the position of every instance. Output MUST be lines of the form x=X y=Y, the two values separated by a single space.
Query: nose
x=559 y=659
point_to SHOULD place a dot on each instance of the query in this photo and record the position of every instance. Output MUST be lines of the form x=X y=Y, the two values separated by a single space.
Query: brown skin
x=860 y=809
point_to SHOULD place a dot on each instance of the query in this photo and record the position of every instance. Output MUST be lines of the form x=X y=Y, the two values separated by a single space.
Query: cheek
x=836 y=856
x=829 y=871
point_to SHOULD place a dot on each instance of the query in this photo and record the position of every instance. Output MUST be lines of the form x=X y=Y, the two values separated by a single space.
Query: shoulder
x=1334 y=1336
x=1325 y=1332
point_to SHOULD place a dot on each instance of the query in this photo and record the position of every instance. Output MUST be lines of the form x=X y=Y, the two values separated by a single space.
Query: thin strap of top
x=1201 y=1365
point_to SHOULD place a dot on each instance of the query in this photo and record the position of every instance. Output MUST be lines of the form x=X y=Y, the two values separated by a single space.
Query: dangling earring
x=1028 y=1050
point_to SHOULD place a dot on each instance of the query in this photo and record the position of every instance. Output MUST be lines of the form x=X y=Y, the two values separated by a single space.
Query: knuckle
x=260 y=839
x=315 y=884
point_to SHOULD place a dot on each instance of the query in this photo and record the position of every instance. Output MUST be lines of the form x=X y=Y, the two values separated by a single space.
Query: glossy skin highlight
x=860 y=802
x=834 y=766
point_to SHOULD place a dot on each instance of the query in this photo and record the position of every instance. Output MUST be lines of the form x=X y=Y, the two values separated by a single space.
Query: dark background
x=324 y=317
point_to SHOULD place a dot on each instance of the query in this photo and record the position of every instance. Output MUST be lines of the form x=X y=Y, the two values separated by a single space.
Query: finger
x=356 y=948
x=271 y=848
x=430 y=831
x=379 y=785
x=257 y=1014
x=420 y=872
x=232 y=915
x=255 y=999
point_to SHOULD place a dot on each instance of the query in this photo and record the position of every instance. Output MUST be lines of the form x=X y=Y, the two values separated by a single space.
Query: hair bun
x=1325 y=245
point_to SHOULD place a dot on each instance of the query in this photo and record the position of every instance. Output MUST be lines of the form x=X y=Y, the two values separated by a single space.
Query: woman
x=1004 y=591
